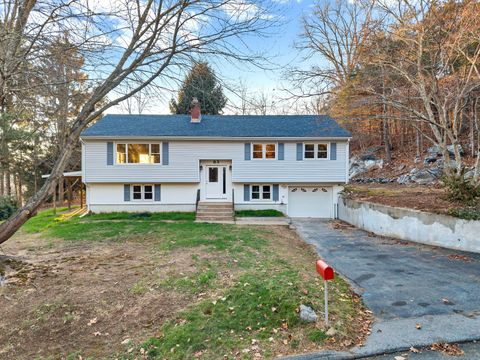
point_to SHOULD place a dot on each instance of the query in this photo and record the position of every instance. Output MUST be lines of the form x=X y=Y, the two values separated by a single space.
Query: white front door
x=215 y=182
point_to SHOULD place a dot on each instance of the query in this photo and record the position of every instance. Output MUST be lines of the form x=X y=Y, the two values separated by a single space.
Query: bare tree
x=432 y=51
x=333 y=37
x=145 y=43
x=137 y=104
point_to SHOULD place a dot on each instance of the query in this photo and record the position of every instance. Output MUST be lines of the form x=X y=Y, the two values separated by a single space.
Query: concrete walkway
x=404 y=284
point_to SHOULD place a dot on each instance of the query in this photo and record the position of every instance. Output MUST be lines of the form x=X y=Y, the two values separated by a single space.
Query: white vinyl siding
x=184 y=164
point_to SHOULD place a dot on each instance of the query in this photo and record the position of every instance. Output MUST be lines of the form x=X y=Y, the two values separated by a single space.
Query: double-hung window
x=264 y=151
x=142 y=192
x=315 y=151
x=261 y=192
x=131 y=153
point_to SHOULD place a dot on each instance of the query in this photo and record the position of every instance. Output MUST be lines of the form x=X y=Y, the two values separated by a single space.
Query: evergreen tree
x=202 y=84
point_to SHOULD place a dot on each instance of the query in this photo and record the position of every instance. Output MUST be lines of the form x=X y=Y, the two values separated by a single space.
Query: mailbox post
x=326 y=272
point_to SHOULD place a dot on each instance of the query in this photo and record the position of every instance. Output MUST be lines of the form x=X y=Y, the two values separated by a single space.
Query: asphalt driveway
x=398 y=279
x=404 y=284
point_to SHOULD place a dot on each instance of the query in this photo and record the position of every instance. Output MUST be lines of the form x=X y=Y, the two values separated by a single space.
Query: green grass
x=466 y=213
x=259 y=213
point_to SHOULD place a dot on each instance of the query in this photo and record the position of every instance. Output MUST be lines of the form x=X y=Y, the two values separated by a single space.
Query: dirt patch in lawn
x=426 y=198
x=86 y=298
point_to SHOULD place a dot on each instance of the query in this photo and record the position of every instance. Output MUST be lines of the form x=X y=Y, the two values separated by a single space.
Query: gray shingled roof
x=216 y=126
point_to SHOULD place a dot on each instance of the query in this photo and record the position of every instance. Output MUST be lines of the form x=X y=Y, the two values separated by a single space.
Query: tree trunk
x=61 y=192
x=418 y=144
x=14 y=222
x=472 y=130
x=20 y=191
x=386 y=140
x=2 y=183
x=8 y=183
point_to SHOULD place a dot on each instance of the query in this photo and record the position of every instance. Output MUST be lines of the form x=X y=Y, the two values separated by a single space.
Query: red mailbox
x=324 y=270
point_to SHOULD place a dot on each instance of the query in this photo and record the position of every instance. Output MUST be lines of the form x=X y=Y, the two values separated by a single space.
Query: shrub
x=460 y=189
x=7 y=207
x=466 y=214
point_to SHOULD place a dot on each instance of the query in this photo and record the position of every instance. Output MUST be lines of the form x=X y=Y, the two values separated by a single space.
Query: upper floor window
x=315 y=151
x=138 y=153
x=264 y=151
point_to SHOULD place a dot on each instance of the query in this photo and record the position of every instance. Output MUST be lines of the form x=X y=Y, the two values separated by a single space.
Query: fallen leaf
x=414 y=350
x=448 y=349
x=400 y=358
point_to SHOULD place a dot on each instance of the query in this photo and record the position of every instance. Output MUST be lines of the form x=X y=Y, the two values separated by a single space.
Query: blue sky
x=279 y=49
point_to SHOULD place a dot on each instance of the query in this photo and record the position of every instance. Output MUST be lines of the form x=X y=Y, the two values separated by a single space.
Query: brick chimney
x=195 y=111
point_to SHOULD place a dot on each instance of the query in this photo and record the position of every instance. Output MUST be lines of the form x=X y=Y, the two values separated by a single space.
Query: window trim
x=142 y=187
x=126 y=143
x=264 y=150
x=315 y=151
x=261 y=199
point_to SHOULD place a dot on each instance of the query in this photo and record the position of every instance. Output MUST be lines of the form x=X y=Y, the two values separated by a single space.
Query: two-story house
x=150 y=163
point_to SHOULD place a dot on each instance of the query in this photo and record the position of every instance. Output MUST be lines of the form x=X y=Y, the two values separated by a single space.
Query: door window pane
x=138 y=153
x=121 y=154
x=213 y=174
x=270 y=151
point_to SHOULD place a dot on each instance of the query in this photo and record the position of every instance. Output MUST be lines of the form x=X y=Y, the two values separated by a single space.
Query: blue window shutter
x=157 y=192
x=165 y=155
x=109 y=153
x=333 y=151
x=299 y=151
x=246 y=192
x=281 y=151
x=275 y=192
x=247 y=151
x=126 y=192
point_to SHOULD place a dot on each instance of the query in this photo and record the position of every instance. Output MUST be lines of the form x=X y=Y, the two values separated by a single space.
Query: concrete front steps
x=215 y=211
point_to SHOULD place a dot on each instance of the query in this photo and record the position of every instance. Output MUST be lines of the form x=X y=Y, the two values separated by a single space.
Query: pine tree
x=201 y=83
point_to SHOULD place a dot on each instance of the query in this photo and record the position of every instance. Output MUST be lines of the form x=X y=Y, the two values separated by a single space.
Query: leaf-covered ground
x=162 y=286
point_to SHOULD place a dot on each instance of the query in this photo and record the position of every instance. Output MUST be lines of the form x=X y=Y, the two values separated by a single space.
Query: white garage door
x=310 y=201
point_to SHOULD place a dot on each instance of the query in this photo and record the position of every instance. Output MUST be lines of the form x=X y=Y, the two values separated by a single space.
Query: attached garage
x=310 y=201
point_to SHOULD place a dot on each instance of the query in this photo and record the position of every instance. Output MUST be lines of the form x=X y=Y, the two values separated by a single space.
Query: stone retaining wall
x=412 y=225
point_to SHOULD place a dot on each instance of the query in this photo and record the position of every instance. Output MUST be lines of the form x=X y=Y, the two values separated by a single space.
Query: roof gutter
x=218 y=138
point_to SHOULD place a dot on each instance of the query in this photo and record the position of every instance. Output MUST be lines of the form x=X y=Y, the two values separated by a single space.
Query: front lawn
x=127 y=287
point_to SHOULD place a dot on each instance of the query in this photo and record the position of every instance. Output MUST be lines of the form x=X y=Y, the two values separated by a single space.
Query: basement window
x=261 y=192
x=142 y=192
